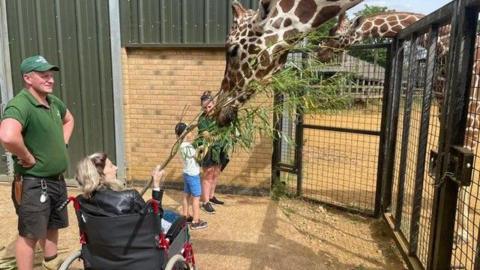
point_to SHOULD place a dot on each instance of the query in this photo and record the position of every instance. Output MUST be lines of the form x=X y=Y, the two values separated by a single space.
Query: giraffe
x=346 y=33
x=388 y=25
x=382 y=25
x=258 y=44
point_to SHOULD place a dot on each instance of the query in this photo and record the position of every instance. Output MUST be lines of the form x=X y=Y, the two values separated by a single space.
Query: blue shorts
x=192 y=185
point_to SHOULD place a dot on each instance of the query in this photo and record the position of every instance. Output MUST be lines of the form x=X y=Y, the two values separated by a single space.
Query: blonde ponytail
x=87 y=177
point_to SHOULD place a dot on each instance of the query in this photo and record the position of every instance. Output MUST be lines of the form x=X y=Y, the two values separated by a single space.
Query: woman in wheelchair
x=119 y=230
x=104 y=195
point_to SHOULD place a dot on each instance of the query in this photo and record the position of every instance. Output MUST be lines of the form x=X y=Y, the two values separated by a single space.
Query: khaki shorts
x=35 y=217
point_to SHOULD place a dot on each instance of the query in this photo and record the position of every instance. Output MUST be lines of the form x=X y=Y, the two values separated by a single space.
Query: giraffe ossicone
x=259 y=40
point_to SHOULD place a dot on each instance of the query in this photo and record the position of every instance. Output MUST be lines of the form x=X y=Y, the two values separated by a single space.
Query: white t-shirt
x=190 y=165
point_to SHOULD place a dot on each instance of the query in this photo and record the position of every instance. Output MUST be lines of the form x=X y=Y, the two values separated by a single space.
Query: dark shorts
x=209 y=161
x=35 y=217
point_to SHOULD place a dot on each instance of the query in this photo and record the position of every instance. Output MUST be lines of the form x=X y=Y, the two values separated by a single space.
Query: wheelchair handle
x=150 y=203
x=65 y=203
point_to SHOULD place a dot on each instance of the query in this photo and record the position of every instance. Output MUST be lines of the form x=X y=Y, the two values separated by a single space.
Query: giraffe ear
x=358 y=21
x=341 y=20
x=238 y=10
x=264 y=8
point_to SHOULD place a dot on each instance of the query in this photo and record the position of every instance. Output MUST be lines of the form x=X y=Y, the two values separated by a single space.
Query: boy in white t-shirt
x=191 y=177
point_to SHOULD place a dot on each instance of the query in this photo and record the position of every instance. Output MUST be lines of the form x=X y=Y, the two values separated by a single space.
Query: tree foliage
x=372 y=10
x=315 y=37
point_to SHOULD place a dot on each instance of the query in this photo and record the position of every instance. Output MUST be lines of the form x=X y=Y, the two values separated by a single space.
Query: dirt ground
x=258 y=233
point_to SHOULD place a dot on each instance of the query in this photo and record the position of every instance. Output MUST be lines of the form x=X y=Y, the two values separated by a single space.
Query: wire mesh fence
x=341 y=146
x=424 y=165
x=466 y=245
x=439 y=71
x=397 y=188
x=339 y=158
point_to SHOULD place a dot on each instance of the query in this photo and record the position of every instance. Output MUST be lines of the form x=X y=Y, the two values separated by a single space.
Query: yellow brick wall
x=158 y=84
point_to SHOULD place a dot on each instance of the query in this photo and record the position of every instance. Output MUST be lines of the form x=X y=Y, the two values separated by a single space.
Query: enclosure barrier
x=420 y=141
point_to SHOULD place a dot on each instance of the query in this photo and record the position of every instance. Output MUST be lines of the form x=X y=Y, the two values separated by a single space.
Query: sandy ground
x=258 y=233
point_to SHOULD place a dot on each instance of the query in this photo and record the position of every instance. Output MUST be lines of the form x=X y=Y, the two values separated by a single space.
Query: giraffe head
x=258 y=44
x=341 y=36
x=383 y=25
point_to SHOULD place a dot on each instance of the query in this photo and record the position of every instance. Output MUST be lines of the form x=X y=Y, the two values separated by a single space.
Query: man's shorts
x=35 y=217
x=192 y=185
x=209 y=160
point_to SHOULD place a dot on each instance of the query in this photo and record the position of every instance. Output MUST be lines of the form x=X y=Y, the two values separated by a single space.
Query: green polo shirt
x=42 y=130
x=209 y=124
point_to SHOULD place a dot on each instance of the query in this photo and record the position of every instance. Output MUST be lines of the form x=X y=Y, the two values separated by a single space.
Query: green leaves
x=305 y=89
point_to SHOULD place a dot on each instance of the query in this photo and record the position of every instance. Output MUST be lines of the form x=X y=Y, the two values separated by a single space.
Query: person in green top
x=216 y=158
x=35 y=128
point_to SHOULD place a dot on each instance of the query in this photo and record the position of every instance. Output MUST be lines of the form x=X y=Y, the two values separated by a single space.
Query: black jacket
x=107 y=202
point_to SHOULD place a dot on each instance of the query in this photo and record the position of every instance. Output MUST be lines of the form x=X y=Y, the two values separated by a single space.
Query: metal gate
x=430 y=150
x=336 y=158
x=414 y=156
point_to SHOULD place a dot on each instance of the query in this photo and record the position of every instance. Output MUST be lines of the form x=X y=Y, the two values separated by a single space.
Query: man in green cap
x=35 y=128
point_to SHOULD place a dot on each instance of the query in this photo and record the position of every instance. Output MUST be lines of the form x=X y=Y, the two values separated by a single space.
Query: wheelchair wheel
x=76 y=255
x=177 y=262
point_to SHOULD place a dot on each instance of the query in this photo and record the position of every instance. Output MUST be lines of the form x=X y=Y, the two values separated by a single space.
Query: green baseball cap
x=36 y=63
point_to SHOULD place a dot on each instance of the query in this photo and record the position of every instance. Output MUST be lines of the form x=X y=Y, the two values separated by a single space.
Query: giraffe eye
x=233 y=51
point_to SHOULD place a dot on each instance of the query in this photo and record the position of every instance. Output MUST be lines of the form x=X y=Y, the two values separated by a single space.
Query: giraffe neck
x=268 y=34
x=384 y=25
x=259 y=41
x=290 y=20
x=345 y=33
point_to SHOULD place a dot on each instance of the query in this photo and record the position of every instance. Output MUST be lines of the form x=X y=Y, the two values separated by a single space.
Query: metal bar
x=299 y=153
x=162 y=21
x=116 y=54
x=406 y=132
x=141 y=21
x=455 y=113
x=206 y=22
x=347 y=130
x=339 y=207
x=439 y=17
x=277 y=150
x=382 y=151
x=422 y=141
x=477 y=256
x=354 y=47
x=6 y=84
x=285 y=165
x=395 y=85
x=370 y=46
x=286 y=168
x=472 y=3
x=412 y=261
x=184 y=22
x=299 y=142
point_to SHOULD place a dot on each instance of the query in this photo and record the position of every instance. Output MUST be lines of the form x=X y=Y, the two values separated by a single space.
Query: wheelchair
x=133 y=241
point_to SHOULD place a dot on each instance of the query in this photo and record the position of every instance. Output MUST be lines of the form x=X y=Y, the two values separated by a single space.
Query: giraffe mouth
x=227 y=115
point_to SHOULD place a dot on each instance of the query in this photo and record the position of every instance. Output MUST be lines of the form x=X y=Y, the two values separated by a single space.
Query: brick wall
x=158 y=84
